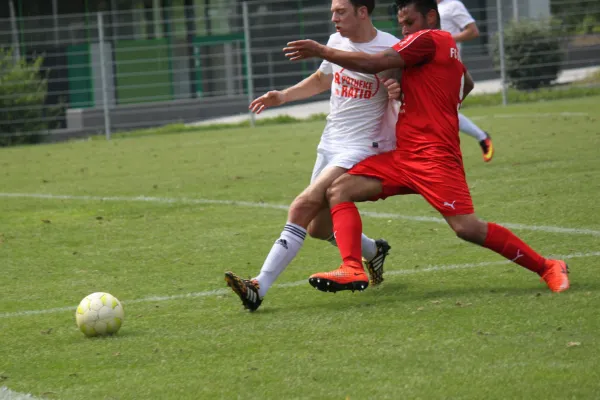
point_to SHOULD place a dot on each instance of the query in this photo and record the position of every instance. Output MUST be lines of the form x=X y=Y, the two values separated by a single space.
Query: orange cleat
x=343 y=278
x=487 y=148
x=556 y=275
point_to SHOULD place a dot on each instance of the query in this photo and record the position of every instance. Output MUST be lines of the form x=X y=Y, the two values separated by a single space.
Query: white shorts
x=344 y=158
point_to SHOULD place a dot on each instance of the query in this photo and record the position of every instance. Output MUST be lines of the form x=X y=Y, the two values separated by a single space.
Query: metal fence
x=111 y=71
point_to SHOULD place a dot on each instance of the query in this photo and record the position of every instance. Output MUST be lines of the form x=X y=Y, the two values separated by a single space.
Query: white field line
x=183 y=200
x=7 y=394
x=220 y=292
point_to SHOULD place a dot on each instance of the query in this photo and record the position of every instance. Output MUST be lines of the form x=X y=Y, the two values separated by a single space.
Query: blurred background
x=78 y=68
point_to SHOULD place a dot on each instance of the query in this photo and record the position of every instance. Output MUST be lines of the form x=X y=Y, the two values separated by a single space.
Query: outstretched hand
x=273 y=98
x=303 y=49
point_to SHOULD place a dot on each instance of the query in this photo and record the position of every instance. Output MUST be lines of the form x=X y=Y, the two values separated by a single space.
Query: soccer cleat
x=556 y=275
x=247 y=290
x=343 y=278
x=487 y=148
x=375 y=266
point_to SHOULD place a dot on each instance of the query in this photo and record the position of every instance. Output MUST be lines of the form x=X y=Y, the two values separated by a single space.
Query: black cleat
x=247 y=290
x=375 y=266
x=487 y=148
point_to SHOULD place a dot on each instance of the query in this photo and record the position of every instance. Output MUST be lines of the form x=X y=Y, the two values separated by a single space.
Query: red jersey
x=432 y=87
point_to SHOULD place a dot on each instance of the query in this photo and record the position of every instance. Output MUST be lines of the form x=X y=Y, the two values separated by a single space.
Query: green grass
x=492 y=332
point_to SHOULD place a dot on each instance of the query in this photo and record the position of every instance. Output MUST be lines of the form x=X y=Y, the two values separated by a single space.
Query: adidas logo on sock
x=283 y=243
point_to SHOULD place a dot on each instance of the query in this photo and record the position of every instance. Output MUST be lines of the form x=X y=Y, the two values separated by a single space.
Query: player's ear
x=432 y=16
x=363 y=12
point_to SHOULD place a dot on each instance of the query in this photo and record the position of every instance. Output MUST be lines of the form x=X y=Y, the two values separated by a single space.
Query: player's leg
x=372 y=178
x=449 y=194
x=374 y=252
x=347 y=227
x=301 y=212
x=510 y=246
x=485 y=141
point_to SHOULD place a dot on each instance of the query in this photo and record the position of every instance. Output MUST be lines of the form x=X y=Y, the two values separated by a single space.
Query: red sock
x=347 y=228
x=508 y=245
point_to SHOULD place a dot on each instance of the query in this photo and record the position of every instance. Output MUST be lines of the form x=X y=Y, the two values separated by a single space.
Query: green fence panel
x=143 y=71
x=80 y=76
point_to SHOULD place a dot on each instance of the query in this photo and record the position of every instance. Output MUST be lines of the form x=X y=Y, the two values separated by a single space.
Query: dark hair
x=422 y=6
x=370 y=4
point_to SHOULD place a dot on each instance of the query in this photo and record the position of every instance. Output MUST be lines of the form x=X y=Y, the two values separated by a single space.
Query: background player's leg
x=467 y=126
x=485 y=141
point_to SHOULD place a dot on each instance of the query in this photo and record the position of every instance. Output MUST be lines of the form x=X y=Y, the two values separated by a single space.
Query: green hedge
x=533 y=53
x=23 y=115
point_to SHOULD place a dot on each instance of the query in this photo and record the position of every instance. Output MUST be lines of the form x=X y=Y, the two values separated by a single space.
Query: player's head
x=348 y=15
x=416 y=15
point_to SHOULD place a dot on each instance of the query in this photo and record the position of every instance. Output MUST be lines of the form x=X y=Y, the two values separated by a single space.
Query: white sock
x=369 y=248
x=282 y=253
x=467 y=126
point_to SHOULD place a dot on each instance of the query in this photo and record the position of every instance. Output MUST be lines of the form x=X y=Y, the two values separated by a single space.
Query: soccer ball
x=99 y=314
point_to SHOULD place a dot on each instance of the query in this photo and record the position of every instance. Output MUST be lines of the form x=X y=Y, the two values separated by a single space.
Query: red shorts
x=441 y=181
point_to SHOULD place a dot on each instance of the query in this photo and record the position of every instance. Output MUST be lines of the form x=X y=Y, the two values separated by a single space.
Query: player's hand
x=303 y=49
x=273 y=98
x=393 y=88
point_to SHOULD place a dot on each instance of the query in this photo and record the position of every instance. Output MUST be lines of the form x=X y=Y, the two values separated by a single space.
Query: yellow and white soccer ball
x=99 y=314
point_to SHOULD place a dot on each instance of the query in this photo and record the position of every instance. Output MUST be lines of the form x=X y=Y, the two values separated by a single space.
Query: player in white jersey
x=456 y=19
x=361 y=123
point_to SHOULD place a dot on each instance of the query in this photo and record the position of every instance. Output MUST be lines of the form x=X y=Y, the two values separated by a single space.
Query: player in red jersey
x=427 y=159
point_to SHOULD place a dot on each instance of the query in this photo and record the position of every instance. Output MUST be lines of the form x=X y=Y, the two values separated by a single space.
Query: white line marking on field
x=183 y=200
x=218 y=292
x=7 y=394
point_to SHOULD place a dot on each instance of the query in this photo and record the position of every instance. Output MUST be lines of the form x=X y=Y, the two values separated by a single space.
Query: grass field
x=154 y=221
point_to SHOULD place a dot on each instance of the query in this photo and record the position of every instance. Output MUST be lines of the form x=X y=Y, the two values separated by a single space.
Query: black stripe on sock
x=295 y=231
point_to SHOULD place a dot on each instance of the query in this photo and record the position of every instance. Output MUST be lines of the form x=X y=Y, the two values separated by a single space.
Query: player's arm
x=413 y=50
x=463 y=18
x=315 y=84
x=355 y=61
x=469 y=85
x=470 y=32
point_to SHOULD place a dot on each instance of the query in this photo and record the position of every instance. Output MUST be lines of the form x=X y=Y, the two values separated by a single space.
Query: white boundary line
x=183 y=200
x=219 y=292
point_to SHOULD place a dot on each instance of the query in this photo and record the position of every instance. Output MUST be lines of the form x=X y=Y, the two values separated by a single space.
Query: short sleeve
x=460 y=15
x=418 y=48
x=326 y=66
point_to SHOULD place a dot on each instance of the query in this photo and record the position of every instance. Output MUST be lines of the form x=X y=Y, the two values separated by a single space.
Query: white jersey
x=454 y=16
x=360 y=114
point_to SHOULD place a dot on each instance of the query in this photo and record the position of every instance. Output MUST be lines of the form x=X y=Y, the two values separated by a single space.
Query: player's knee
x=337 y=192
x=303 y=209
x=471 y=232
